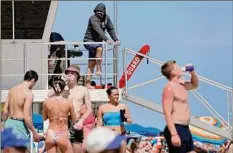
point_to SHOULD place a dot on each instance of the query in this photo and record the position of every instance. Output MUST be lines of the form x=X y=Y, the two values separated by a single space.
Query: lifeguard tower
x=26 y=28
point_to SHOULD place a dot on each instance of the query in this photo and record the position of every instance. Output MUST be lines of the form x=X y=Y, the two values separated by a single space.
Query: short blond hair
x=167 y=67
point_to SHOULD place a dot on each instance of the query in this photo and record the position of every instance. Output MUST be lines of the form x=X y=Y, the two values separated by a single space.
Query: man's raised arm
x=193 y=83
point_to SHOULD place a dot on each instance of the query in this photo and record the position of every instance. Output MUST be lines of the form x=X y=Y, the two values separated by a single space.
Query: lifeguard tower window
x=29 y=19
x=6 y=20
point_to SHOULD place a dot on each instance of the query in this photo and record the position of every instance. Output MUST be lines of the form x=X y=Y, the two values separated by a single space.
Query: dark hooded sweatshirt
x=96 y=27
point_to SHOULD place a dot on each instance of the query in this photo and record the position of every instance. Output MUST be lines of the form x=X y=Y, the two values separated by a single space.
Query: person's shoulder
x=15 y=88
x=46 y=100
x=107 y=16
x=67 y=100
x=11 y=90
x=103 y=106
x=122 y=105
x=93 y=17
x=28 y=92
x=82 y=88
x=168 y=87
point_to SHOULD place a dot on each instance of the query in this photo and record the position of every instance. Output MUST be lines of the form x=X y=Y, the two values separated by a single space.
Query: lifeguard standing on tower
x=96 y=33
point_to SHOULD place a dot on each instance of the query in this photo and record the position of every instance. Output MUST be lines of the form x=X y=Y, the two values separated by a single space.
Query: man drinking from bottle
x=176 y=107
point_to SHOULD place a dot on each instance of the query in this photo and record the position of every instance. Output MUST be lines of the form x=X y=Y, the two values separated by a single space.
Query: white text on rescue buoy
x=133 y=65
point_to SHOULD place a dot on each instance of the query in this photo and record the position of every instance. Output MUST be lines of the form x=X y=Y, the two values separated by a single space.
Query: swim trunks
x=185 y=136
x=76 y=136
x=19 y=128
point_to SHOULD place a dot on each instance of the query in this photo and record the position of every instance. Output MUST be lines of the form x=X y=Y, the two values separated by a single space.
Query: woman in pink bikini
x=57 y=109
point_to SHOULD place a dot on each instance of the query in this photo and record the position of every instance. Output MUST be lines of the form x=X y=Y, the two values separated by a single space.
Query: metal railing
x=229 y=90
x=106 y=64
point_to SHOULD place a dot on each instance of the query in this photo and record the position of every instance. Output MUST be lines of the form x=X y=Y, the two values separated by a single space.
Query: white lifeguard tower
x=25 y=45
x=26 y=30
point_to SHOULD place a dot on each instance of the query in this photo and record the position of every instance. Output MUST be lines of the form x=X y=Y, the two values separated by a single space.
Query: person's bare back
x=180 y=108
x=16 y=100
x=58 y=110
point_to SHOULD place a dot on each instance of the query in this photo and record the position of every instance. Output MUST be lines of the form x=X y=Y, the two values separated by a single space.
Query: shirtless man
x=57 y=109
x=176 y=108
x=80 y=97
x=18 y=107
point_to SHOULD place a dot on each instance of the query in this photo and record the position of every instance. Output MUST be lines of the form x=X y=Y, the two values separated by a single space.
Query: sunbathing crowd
x=158 y=145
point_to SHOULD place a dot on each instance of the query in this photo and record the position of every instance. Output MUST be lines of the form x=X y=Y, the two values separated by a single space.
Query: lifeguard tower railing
x=38 y=61
x=26 y=61
x=226 y=132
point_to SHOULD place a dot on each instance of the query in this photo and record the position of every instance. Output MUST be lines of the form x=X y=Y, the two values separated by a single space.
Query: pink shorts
x=89 y=120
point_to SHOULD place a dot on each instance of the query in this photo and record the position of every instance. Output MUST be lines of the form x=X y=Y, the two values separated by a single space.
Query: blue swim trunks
x=19 y=128
x=92 y=49
x=185 y=136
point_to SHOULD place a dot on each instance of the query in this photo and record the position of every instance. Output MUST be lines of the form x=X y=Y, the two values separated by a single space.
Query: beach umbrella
x=134 y=135
x=141 y=130
x=153 y=131
x=205 y=136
